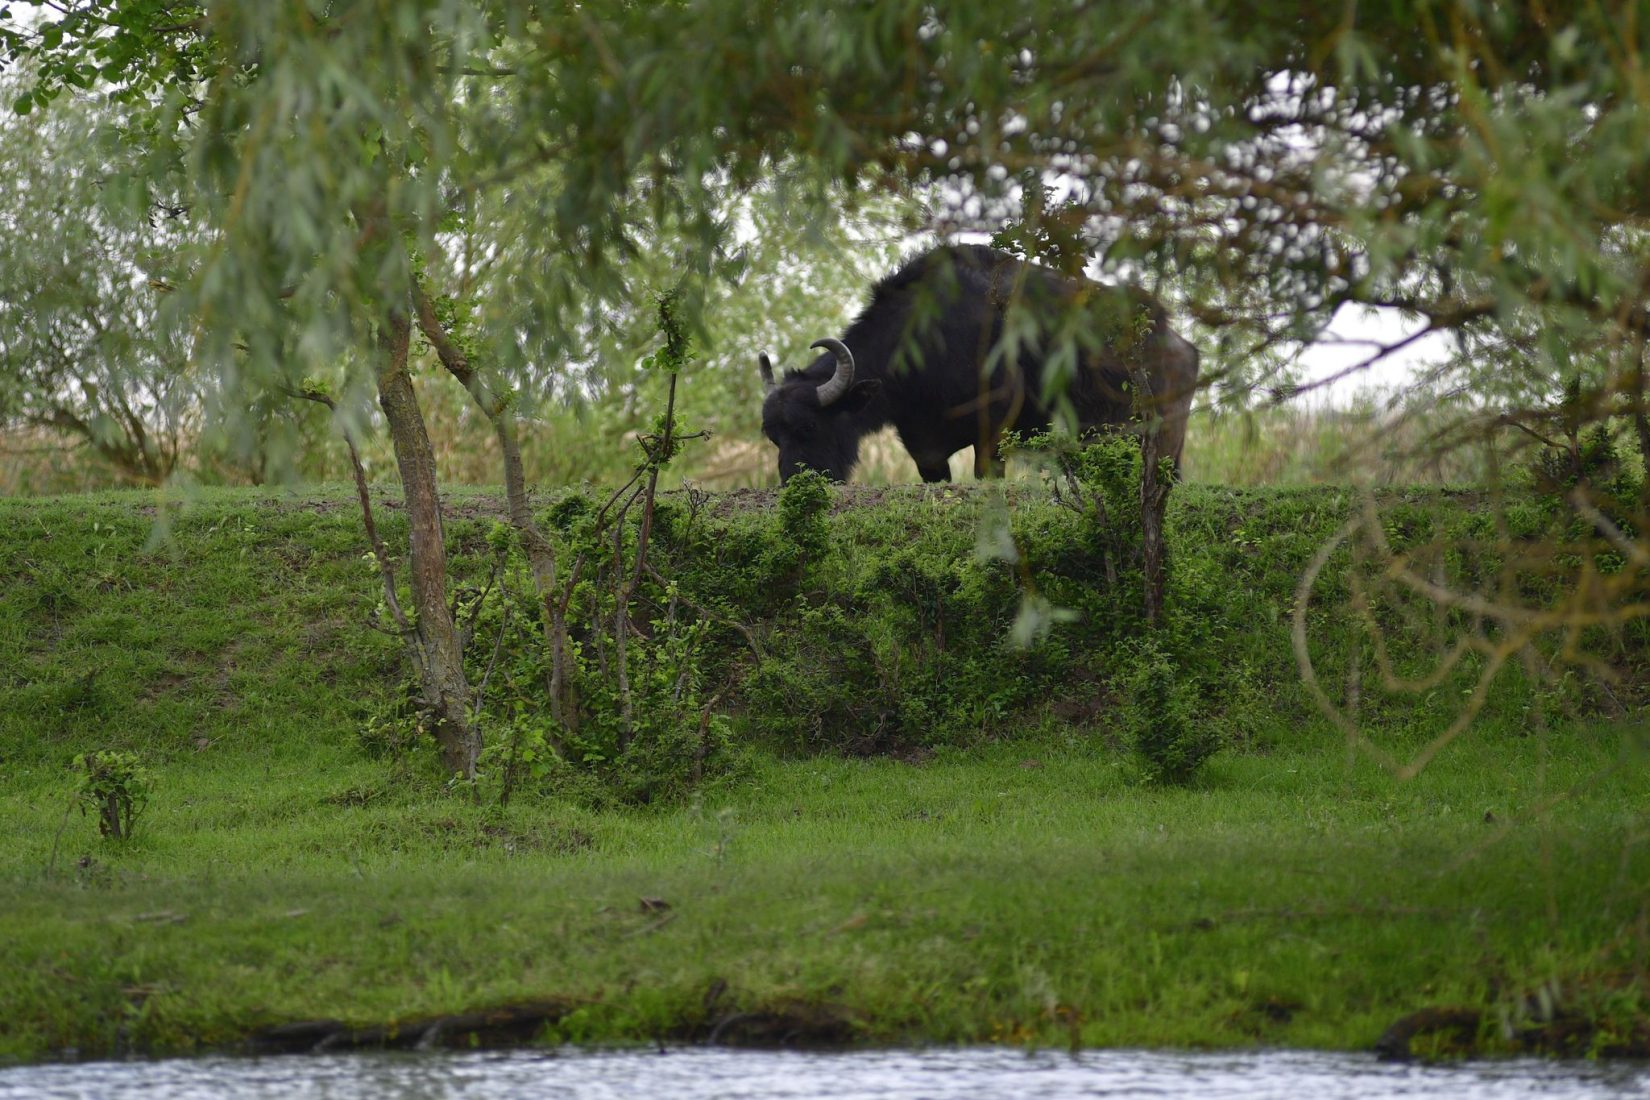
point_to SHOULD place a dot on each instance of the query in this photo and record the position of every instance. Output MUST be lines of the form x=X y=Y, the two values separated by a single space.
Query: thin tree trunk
x=541 y=560
x=621 y=631
x=540 y=551
x=1641 y=423
x=664 y=445
x=446 y=690
x=1154 y=498
x=380 y=552
x=386 y=572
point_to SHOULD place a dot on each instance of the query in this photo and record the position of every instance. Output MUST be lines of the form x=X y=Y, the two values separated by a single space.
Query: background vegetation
x=1472 y=165
x=426 y=244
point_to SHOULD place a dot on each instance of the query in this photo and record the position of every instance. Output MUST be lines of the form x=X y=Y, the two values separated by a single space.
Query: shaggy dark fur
x=931 y=359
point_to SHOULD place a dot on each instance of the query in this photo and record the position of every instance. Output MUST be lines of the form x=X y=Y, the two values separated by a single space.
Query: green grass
x=1021 y=889
x=992 y=896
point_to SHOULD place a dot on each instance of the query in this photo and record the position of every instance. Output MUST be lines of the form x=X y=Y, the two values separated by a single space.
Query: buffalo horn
x=837 y=385
x=765 y=365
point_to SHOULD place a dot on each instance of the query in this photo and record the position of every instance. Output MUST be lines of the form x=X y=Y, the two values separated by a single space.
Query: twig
x=650 y=928
x=498 y=644
x=1361 y=365
x=749 y=636
x=51 y=861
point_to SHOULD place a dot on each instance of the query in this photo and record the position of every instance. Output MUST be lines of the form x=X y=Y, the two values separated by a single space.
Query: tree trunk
x=540 y=551
x=1641 y=423
x=541 y=559
x=1154 y=499
x=445 y=689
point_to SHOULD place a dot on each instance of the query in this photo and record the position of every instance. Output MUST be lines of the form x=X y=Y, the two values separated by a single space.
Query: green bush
x=901 y=647
x=843 y=620
x=803 y=506
x=112 y=787
x=1160 y=716
x=820 y=687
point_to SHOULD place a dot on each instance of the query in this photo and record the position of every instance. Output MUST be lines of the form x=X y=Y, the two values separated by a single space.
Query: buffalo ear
x=860 y=394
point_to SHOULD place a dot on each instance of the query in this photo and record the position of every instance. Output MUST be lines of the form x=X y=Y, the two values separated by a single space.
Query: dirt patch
x=525 y=1023
x=735 y=501
x=167 y=682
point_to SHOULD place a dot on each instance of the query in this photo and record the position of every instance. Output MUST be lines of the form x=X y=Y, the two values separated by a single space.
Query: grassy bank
x=1008 y=877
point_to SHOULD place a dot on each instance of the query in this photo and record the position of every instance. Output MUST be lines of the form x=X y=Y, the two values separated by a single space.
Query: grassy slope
x=1021 y=891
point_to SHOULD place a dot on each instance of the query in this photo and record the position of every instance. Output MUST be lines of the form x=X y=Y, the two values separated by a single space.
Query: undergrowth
x=817 y=619
x=807 y=622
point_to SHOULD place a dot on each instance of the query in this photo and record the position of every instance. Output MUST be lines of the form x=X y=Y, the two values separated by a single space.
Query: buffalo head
x=808 y=415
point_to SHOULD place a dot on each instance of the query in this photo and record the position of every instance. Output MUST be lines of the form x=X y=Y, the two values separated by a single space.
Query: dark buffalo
x=928 y=356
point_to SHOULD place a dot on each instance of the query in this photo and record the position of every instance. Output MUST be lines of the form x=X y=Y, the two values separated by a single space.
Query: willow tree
x=1477 y=164
x=90 y=355
x=389 y=151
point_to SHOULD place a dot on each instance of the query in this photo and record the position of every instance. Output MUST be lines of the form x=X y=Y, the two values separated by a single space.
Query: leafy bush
x=1160 y=716
x=804 y=503
x=821 y=687
x=803 y=535
x=861 y=621
x=587 y=658
x=902 y=644
x=1581 y=456
x=112 y=787
x=1097 y=477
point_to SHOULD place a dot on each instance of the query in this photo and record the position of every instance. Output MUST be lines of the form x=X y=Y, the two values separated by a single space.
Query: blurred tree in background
x=89 y=355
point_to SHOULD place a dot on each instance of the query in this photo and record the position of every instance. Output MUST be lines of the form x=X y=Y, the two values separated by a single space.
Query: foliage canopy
x=1475 y=163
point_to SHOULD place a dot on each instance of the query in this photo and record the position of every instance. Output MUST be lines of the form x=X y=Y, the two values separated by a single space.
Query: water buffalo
x=952 y=351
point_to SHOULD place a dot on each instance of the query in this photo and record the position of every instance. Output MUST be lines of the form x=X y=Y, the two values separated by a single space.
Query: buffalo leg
x=988 y=461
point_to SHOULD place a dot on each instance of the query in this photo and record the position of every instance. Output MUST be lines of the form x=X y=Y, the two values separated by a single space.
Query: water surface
x=704 y=1074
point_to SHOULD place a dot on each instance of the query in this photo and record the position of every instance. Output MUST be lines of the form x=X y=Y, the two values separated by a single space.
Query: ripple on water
x=703 y=1074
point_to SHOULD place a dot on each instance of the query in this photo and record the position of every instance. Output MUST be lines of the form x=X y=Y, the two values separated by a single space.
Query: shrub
x=1160 y=717
x=804 y=507
x=114 y=788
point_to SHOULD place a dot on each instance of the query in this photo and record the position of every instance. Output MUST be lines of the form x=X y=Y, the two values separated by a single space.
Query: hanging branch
x=380 y=552
x=1500 y=627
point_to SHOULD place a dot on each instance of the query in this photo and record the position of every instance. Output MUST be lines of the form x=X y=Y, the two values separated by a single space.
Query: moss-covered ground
x=1021 y=884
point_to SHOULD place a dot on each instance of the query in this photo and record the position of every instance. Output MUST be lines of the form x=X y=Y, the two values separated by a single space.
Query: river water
x=703 y=1074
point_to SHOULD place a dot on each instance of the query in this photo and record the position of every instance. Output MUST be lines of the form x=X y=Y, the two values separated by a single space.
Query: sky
x=1329 y=357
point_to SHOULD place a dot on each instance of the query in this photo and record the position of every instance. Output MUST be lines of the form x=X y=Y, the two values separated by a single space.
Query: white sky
x=1367 y=327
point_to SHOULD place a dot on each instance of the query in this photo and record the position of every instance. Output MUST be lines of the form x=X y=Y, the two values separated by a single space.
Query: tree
x=89 y=348
x=1278 y=163
x=1478 y=164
